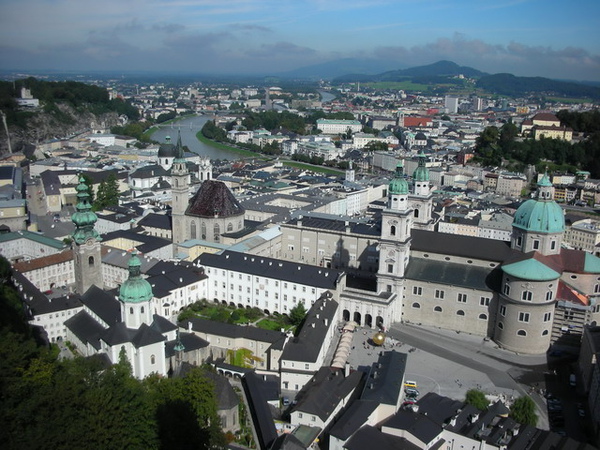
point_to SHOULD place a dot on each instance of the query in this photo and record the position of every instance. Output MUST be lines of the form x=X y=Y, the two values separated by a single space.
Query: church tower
x=86 y=243
x=180 y=194
x=394 y=246
x=135 y=295
x=421 y=200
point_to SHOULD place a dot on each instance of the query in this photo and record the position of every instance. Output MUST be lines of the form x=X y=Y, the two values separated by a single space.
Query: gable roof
x=214 y=199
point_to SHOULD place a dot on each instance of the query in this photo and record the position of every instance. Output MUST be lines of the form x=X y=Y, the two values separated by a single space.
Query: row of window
x=439 y=309
x=536 y=243
x=521 y=332
x=525 y=316
x=527 y=295
x=461 y=297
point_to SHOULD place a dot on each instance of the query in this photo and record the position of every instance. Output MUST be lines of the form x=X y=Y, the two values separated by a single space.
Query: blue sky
x=549 y=38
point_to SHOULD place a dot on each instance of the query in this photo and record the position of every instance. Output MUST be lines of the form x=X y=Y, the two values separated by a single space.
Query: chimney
x=326 y=322
x=347 y=369
x=190 y=326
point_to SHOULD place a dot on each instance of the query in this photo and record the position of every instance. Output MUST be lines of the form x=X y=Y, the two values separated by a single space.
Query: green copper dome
x=399 y=185
x=421 y=173
x=84 y=218
x=135 y=289
x=542 y=215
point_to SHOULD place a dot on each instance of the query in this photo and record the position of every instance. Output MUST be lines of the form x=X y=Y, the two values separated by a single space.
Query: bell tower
x=86 y=243
x=394 y=246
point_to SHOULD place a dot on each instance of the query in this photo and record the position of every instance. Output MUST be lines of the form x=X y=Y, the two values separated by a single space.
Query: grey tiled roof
x=272 y=268
x=443 y=272
x=85 y=328
x=353 y=418
x=384 y=384
x=103 y=304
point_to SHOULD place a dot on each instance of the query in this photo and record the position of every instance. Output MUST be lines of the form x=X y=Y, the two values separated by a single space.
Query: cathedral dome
x=167 y=150
x=214 y=199
x=542 y=215
x=399 y=185
x=135 y=289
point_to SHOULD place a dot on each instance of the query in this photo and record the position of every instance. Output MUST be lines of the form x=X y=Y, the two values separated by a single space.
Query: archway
x=379 y=322
x=346 y=315
x=357 y=317
x=369 y=320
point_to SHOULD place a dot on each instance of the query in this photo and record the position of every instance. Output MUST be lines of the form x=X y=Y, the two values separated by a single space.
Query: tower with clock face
x=86 y=243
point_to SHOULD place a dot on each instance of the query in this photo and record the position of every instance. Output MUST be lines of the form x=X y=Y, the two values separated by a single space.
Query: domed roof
x=166 y=149
x=214 y=199
x=421 y=173
x=135 y=289
x=399 y=185
x=542 y=215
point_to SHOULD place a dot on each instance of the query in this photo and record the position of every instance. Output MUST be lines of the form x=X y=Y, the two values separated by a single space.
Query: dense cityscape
x=287 y=264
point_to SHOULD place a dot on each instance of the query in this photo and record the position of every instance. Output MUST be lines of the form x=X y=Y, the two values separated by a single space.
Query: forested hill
x=65 y=107
x=508 y=84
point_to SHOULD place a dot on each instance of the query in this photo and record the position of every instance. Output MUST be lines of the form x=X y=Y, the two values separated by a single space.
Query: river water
x=190 y=126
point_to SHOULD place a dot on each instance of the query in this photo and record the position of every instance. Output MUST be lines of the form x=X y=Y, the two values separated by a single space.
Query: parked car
x=411 y=392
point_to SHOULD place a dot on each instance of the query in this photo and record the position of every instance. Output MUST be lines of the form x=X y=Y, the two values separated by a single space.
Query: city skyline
x=246 y=37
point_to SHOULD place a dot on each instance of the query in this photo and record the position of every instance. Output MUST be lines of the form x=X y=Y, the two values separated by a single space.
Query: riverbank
x=289 y=163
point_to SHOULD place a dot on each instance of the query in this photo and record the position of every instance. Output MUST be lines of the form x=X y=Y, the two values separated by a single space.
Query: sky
x=550 y=38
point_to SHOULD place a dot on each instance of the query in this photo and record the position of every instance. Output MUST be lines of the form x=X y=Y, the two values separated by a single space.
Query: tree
x=477 y=399
x=108 y=193
x=523 y=411
x=297 y=314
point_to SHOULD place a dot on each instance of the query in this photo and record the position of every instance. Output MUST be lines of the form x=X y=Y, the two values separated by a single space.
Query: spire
x=421 y=173
x=179 y=147
x=179 y=347
x=135 y=289
x=84 y=218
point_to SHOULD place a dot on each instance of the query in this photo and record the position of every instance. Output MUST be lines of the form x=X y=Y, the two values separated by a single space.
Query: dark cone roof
x=214 y=199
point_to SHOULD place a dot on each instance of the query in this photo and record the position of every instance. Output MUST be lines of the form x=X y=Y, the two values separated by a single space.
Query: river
x=190 y=126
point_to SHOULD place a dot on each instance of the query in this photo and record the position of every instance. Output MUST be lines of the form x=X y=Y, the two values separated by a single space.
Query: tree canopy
x=523 y=411
x=477 y=399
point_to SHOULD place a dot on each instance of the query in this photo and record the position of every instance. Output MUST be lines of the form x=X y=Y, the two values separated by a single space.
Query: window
x=438 y=309
x=482 y=316
x=536 y=244
x=439 y=294
x=313 y=418
x=416 y=305
x=390 y=268
x=152 y=359
x=460 y=312
x=484 y=301
x=306 y=366
x=501 y=325
x=393 y=230
x=503 y=310
x=523 y=317
x=417 y=290
x=506 y=289
x=519 y=241
x=526 y=295
x=299 y=414
x=547 y=317
x=545 y=333
x=462 y=298
x=553 y=245
x=521 y=333
x=549 y=295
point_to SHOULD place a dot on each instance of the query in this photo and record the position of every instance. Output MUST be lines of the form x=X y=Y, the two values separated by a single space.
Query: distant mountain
x=508 y=84
x=437 y=72
x=333 y=69
x=437 y=69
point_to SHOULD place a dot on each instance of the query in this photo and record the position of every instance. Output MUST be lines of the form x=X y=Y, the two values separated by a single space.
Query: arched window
x=438 y=309
x=193 y=230
x=142 y=310
x=203 y=229
x=483 y=316
x=91 y=261
x=460 y=312
x=521 y=333
x=416 y=305
x=130 y=310
x=229 y=227
x=152 y=359
x=501 y=325
x=416 y=213
x=393 y=230
x=217 y=232
x=545 y=333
